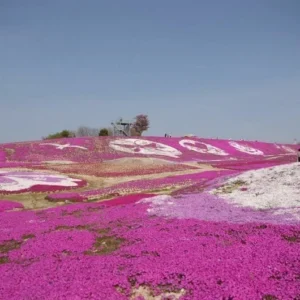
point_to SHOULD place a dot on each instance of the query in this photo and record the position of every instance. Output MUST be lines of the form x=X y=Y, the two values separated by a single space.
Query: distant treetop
x=141 y=124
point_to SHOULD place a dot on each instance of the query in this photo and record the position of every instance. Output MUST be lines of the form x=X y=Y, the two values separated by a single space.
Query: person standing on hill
x=299 y=155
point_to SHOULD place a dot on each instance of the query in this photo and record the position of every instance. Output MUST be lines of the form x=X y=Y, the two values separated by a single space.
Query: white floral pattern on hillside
x=11 y=181
x=62 y=147
x=145 y=147
x=202 y=147
x=245 y=148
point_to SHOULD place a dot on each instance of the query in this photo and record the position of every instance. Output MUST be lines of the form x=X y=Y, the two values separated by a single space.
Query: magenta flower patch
x=89 y=251
x=160 y=235
x=126 y=199
x=2 y=156
x=9 y=205
x=174 y=149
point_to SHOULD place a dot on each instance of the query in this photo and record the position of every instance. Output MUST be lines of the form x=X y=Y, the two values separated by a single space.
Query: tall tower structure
x=121 y=127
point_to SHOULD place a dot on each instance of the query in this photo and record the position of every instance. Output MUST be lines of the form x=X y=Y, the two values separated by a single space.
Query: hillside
x=149 y=218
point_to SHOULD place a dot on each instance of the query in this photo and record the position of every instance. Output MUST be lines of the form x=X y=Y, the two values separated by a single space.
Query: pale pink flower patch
x=14 y=181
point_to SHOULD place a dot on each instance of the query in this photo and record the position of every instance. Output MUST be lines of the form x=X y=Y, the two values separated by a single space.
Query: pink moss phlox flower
x=2 y=156
x=9 y=205
x=193 y=242
x=129 y=199
x=50 y=256
x=99 y=149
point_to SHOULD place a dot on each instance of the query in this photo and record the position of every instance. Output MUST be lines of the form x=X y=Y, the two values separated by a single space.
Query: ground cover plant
x=157 y=218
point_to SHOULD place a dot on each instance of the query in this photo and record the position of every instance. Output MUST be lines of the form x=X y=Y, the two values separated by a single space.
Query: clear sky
x=227 y=69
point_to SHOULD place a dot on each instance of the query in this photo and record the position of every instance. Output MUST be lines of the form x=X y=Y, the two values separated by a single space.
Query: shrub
x=103 y=132
x=63 y=134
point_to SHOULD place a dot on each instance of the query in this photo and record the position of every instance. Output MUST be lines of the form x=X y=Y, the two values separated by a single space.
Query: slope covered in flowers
x=89 y=150
x=159 y=218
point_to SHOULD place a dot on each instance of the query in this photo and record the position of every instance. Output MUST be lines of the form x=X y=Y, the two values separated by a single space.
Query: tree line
x=140 y=125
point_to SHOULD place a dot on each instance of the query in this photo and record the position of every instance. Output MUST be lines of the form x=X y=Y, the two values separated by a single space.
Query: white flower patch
x=145 y=147
x=209 y=149
x=245 y=148
x=35 y=221
x=158 y=200
x=158 y=203
x=276 y=188
x=288 y=149
x=16 y=181
x=62 y=147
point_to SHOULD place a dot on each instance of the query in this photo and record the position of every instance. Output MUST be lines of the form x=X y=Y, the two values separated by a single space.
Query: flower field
x=149 y=218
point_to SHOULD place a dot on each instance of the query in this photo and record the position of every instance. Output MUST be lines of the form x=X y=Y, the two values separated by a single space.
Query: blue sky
x=227 y=69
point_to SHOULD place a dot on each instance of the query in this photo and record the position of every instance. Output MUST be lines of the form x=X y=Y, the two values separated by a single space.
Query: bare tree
x=87 y=131
x=110 y=131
